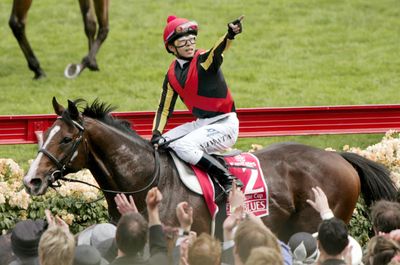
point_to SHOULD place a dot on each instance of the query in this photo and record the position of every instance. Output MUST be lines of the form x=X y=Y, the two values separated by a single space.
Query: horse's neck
x=123 y=160
x=124 y=163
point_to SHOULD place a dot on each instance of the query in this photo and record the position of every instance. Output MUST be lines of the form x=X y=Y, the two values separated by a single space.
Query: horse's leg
x=281 y=209
x=101 y=10
x=17 y=24
x=89 y=22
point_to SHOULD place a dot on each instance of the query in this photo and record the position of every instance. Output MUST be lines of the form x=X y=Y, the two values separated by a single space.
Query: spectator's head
x=6 y=253
x=205 y=250
x=381 y=250
x=25 y=238
x=131 y=235
x=251 y=234
x=96 y=234
x=108 y=249
x=264 y=256
x=385 y=216
x=88 y=255
x=102 y=237
x=356 y=251
x=303 y=247
x=56 y=246
x=332 y=236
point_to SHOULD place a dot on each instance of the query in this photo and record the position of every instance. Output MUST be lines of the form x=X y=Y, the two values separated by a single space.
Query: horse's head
x=62 y=150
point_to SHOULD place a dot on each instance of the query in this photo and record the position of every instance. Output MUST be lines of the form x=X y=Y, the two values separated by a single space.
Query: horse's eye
x=66 y=140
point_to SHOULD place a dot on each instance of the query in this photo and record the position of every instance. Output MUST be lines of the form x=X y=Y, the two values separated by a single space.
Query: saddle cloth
x=244 y=166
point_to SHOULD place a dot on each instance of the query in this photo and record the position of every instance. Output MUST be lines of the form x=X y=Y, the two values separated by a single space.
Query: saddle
x=188 y=174
x=245 y=166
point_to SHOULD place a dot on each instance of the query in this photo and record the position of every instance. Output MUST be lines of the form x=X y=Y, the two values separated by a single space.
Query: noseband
x=62 y=163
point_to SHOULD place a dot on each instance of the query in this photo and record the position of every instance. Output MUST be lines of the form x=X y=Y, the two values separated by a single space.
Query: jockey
x=195 y=76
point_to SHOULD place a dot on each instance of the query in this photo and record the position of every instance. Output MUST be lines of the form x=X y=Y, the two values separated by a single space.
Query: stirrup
x=223 y=194
x=226 y=190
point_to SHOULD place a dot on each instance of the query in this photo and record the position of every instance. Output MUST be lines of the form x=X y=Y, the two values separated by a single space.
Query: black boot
x=217 y=170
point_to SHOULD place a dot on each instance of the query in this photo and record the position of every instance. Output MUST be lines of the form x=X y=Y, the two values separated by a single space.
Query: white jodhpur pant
x=210 y=135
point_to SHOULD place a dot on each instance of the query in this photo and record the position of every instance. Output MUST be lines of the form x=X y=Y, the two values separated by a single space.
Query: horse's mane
x=102 y=111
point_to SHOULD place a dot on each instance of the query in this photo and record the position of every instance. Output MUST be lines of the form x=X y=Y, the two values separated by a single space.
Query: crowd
x=139 y=240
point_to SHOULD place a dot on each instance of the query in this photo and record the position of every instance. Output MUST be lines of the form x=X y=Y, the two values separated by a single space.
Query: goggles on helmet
x=188 y=27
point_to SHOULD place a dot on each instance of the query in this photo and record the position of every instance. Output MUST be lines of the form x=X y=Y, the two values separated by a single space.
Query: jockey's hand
x=157 y=138
x=235 y=27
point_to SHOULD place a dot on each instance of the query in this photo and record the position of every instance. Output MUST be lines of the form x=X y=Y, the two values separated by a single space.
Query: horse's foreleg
x=101 y=9
x=17 y=24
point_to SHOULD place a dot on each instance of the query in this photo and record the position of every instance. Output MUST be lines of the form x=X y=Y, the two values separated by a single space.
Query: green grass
x=291 y=53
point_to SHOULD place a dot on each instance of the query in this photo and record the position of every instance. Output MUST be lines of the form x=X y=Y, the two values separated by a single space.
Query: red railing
x=254 y=122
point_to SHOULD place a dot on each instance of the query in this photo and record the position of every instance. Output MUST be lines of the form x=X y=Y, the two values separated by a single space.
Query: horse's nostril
x=36 y=182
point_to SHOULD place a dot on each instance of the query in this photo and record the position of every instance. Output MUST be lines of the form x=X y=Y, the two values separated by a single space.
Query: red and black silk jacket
x=199 y=83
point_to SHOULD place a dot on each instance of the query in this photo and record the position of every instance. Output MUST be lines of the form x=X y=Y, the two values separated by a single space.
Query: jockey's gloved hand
x=235 y=27
x=157 y=138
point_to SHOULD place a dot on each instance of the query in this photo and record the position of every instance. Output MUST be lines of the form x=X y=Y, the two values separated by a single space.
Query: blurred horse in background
x=94 y=12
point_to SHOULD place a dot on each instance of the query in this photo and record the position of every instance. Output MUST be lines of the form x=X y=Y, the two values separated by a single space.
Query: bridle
x=62 y=165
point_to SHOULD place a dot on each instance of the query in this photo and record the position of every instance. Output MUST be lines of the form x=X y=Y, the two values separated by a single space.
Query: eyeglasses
x=182 y=42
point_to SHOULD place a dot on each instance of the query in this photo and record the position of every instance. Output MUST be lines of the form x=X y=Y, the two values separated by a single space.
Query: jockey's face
x=184 y=47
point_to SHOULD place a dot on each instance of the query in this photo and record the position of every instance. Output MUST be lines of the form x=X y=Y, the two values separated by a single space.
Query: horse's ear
x=73 y=110
x=59 y=109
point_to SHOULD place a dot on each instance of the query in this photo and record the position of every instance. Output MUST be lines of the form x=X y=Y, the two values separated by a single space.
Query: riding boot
x=217 y=170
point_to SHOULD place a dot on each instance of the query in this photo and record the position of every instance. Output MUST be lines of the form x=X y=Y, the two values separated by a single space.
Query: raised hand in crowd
x=55 y=221
x=320 y=203
x=184 y=213
x=394 y=235
x=185 y=244
x=229 y=224
x=124 y=204
x=57 y=243
x=153 y=199
x=236 y=200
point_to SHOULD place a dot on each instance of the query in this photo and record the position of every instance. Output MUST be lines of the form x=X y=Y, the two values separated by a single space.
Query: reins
x=156 y=174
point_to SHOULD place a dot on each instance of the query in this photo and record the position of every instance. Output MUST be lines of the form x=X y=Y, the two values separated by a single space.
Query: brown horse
x=121 y=160
x=92 y=11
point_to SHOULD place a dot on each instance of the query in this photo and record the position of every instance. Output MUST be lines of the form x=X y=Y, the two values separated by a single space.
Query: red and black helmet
x=178 y=27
